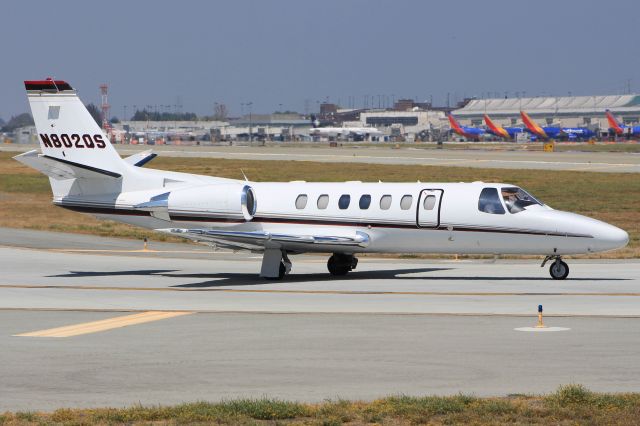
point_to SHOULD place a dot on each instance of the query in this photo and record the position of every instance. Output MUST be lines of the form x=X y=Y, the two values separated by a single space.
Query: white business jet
x=350 y=131
x=278 y=219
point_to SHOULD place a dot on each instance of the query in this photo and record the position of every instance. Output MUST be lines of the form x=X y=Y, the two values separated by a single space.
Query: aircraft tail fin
x=67 y=132
x=455 y=125
x=495 y=128
x=315 y=123
x=531 y=125
x=613 y=123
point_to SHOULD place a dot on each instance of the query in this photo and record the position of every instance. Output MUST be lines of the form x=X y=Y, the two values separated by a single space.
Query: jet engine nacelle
x=227 y=201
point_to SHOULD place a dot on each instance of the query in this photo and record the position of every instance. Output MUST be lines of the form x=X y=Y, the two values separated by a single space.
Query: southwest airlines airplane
x=621 y=129
x=279 y=219
x=473 y=133
x=554 y=132
x=503 y=132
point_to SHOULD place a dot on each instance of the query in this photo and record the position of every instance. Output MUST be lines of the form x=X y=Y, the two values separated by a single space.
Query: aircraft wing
x=259 y=240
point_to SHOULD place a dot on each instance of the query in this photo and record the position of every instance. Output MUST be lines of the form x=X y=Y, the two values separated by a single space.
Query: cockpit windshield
x=517 y=199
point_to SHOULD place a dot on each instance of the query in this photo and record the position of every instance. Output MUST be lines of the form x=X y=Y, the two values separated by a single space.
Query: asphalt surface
x=305 y=357
x=393 y=326
x=512 y=157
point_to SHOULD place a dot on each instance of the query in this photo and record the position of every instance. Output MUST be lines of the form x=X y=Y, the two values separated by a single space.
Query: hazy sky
x=283 y=52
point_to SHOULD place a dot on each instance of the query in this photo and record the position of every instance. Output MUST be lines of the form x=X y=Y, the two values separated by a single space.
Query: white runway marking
x=542 y=329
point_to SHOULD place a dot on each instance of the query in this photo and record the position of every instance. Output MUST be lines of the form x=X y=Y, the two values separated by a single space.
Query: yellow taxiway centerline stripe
x=340 y=292
x=103 y=325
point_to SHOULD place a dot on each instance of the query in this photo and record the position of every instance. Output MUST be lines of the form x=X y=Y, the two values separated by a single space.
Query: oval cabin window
x=301 y=201
x=365 y=202
x=343 y=202
x=405 y=202
x=429 y=202
x=385 y=202
x=323 y=201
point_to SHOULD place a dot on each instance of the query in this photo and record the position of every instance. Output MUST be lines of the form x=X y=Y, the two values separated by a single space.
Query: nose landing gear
x=558 y=270
x=341 y=264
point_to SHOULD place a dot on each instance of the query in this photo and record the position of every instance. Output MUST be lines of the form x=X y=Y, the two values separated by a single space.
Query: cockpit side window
x=517 y=199
x=489 y=201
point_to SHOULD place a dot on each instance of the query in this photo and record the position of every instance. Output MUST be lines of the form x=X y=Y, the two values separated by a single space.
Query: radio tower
x=104 y=91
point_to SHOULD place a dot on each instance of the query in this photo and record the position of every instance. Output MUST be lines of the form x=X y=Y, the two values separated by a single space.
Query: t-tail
x=495 y=129
x=613 y=123
x=532 y=126
x=72 y=145
x=66 y=130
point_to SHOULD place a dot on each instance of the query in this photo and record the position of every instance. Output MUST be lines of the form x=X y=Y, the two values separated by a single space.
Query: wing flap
x=260 y=239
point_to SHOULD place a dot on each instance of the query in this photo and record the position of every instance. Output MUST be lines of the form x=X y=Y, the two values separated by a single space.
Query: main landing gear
x=341 y=264
x=275 y=264
x=558 y=270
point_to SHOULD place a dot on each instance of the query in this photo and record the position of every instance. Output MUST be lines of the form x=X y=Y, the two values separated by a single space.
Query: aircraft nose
x=609 y=237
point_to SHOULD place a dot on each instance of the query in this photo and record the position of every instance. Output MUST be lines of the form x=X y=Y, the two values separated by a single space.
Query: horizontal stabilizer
x=141 y=158
x=60 y=169
x=259 y=239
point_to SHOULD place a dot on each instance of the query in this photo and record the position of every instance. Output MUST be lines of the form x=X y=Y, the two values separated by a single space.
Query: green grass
x=26 y=184
x=569 y=405
x=612 y=197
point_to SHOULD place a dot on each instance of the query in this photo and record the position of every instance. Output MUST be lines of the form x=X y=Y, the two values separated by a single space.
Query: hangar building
x=565 y=110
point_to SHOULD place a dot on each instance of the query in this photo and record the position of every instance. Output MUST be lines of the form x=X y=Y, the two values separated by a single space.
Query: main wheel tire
x=282 y=271
x=337 y=266
x=559 y=270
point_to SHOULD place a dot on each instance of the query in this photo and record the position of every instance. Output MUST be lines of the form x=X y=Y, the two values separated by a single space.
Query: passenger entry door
x=428 y=214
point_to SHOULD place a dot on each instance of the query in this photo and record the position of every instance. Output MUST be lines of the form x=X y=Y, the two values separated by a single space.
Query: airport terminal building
x=570 y=111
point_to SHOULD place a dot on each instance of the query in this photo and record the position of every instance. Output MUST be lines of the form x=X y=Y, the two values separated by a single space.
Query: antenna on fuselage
x=245 y=176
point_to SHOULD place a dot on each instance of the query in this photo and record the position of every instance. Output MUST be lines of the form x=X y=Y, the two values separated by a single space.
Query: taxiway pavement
x=215 y=330
x=514 y=158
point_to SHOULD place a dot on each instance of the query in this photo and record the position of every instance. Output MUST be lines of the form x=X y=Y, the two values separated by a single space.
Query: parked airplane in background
x=336 y=132
x=555 y=132
x=279 y=218
x=621 y=129
x=473 y=133
x=503 y=132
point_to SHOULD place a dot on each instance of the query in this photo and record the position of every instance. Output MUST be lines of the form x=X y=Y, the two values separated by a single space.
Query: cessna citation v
x=278 y=219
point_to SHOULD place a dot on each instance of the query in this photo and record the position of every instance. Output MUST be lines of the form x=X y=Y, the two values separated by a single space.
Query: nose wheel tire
x=559 y=270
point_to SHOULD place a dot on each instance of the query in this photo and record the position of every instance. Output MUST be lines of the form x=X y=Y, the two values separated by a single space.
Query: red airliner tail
x=613 y=123
x=455 y=125
x=494 y=128
x=532 y=126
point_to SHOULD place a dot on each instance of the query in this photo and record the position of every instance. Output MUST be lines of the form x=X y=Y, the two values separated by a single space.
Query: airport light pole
x=250 y=123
